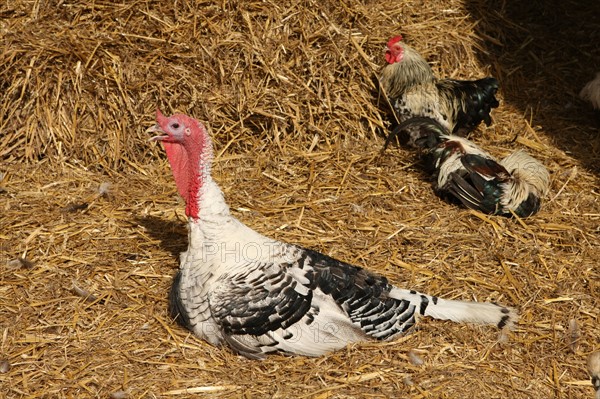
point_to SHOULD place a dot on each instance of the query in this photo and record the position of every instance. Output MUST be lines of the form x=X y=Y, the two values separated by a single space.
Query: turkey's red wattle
x=186 y=172
x=178 y=159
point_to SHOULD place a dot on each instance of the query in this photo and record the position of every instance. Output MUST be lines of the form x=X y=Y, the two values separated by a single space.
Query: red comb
x=394 y=40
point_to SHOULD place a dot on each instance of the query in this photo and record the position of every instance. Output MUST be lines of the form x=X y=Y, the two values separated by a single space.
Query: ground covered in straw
x=91 y=224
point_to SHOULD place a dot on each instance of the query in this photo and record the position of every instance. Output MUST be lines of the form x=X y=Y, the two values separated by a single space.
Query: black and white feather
x=295 y=300
x=414 y=91
x=464 y=171
x=258 y=295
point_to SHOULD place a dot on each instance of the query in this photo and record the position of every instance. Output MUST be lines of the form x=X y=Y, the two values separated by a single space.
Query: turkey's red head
x=395 y=51
x=188 y=149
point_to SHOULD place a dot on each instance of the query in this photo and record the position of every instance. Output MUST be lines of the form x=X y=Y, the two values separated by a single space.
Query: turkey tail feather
x=460 y=311
x=472 y=312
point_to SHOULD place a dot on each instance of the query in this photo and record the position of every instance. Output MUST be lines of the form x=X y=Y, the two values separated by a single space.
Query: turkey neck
x=213 y=215
x=206 y=207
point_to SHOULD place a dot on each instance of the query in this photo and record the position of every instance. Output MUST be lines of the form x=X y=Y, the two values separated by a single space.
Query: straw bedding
x=91 y=224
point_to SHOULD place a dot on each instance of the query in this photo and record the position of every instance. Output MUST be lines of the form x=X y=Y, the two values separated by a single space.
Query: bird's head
x=395 y=50
x=178 y=129
x=189 y=151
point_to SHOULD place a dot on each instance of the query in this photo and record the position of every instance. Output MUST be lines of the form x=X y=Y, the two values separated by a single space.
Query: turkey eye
x=175 y=126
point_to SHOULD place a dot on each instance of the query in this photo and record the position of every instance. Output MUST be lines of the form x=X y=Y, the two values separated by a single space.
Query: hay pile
x=287 y=91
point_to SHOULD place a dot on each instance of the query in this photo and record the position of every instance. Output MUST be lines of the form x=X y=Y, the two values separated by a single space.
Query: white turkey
x=258 y=295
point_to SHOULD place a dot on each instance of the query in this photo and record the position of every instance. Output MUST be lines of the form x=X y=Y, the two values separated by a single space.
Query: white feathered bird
x=258 y=295
x=591 y=92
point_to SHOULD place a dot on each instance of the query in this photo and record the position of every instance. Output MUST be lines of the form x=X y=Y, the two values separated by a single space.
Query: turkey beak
x=154 y=129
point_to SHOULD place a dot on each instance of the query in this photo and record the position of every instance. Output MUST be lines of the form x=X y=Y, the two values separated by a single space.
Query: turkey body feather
x=258 y=295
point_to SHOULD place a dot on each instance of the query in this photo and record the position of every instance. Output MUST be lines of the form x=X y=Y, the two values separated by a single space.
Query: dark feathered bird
x=464 y=171
x=258 y=295
x=413 y=90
